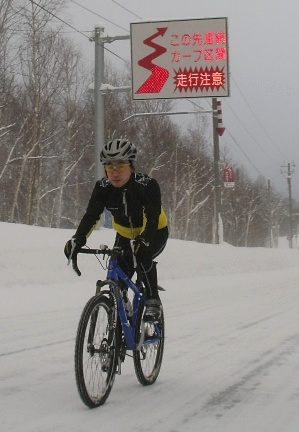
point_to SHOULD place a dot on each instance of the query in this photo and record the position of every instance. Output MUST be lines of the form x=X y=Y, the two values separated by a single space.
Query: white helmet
x=118 y=149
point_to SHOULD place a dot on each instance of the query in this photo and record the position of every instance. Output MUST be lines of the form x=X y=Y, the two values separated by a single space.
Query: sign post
x=180 y=59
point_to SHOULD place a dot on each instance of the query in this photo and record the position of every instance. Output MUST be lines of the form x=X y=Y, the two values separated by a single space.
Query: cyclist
x=134 y=200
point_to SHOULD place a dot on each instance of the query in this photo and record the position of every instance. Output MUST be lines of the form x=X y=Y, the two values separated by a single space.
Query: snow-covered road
x=231 y=358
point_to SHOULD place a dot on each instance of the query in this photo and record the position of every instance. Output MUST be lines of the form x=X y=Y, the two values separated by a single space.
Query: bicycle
x=108 y=329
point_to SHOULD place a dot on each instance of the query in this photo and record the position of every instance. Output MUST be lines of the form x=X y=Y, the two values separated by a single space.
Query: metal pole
x=290 y=205
x=160 y=113
x=270 y=213
x=218 y=220
x=99 y=100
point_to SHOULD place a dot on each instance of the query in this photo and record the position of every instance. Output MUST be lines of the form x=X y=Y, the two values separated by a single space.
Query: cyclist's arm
x=93 y=212
x=152 y=209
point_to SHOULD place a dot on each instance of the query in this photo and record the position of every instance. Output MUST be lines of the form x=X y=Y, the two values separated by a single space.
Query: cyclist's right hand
x=73 y=246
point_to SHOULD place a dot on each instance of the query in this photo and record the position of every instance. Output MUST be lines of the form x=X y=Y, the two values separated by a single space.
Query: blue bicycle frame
x=114 y=274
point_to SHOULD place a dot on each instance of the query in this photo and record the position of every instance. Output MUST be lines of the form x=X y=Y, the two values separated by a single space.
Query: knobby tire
x=148 y=360
x=95 y=358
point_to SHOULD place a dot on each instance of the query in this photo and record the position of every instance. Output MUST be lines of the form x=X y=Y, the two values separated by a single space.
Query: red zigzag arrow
x=159 y=75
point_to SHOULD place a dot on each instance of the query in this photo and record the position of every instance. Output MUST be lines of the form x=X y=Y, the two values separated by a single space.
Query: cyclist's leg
x=159 y=241
x=149 y=274
x=147 y=263
x=126 y=263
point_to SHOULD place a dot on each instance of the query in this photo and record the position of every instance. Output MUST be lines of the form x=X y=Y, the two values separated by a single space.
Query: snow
x=231 y=359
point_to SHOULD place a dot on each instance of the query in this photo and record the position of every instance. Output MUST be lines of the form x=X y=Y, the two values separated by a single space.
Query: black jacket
x=136 y=207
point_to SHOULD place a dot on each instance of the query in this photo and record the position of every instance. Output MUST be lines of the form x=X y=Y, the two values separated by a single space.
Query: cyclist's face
x=118 y=172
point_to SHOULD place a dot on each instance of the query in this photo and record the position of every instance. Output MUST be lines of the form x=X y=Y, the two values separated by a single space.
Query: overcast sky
x=261 y=113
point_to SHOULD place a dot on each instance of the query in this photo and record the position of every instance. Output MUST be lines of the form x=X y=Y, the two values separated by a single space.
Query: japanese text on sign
x=199 y=79
x=228 y=176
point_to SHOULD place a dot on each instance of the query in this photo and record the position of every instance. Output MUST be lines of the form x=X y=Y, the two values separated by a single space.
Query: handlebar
x=102 y=250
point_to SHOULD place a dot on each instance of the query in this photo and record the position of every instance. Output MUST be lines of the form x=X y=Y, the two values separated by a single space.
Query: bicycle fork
x=120 y=346
x=142 y=336
x=113 y=315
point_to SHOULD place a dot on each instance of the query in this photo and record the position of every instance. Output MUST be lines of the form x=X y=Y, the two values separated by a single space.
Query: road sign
x=220 y=128
x=180 y=59
x=228 y=176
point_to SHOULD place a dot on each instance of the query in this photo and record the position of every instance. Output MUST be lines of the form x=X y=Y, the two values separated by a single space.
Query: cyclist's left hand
x=139 y=244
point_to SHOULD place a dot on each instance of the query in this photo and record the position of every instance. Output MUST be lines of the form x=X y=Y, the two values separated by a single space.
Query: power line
x=242 y=151
x=94 y=13
x=236 y=143
x=59 y=19
x=74 y=28
x=257 y=119
x=252 y=137
x=269 y=157
x=126 y=9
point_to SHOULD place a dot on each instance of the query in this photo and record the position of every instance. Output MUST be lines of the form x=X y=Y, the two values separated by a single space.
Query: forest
x=47 y=168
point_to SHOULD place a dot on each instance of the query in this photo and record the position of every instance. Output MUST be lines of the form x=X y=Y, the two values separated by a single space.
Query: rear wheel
x=148 y=359
x=96 y=351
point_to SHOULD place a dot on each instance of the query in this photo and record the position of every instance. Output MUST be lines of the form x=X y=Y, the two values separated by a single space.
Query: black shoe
x=152 y=310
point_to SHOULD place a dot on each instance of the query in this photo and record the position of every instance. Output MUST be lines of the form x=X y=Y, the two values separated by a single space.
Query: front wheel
x=148 y=358
x=96 y=351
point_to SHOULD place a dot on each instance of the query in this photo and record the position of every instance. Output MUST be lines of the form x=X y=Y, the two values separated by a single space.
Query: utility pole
x=290 y=204
x=100 y=89
x=217 y=215
x=290 y=171
x=99 y=100
x=270 y=213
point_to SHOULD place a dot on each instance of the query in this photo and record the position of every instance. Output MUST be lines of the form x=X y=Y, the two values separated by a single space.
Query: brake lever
x=73 y=243
x=75 y=265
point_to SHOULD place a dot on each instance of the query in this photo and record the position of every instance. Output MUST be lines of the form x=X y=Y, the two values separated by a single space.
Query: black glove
x=139 y=245
x=73 y=246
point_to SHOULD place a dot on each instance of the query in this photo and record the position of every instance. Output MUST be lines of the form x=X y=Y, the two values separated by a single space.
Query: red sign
x=220 y=128
x=228 y=176
x=183 y=58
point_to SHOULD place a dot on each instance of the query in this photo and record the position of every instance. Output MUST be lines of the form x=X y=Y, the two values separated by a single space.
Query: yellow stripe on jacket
x=132 y=233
